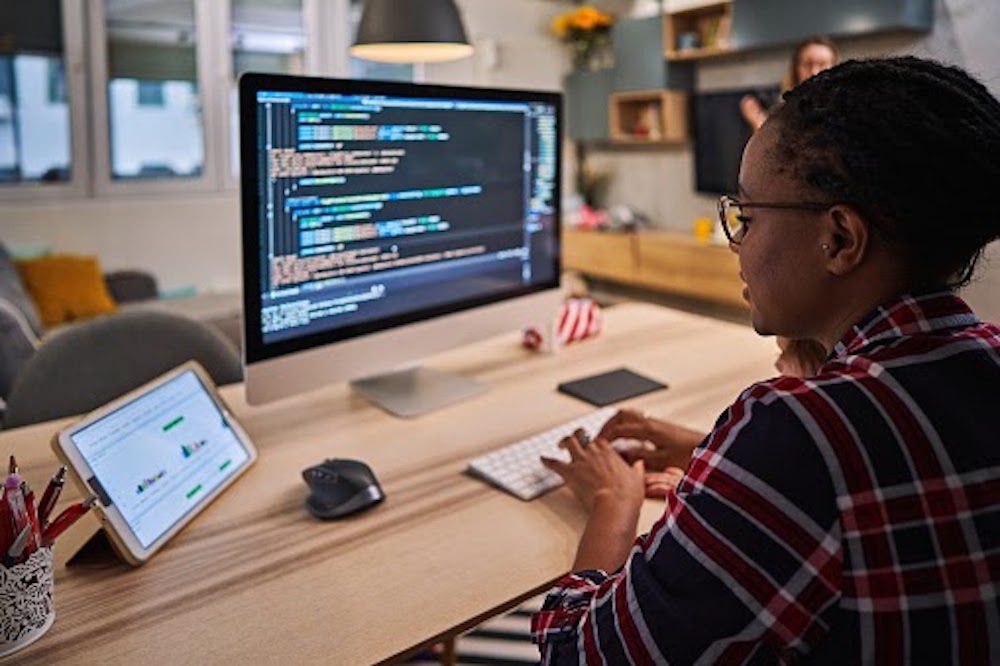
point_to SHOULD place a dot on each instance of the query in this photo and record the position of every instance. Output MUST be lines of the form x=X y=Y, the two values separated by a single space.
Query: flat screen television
x=720 y=133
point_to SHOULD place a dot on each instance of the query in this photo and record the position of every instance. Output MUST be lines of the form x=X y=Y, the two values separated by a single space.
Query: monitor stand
x=416 y=391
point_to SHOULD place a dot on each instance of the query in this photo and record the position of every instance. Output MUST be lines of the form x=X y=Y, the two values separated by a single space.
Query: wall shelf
x=697 y=54
x=648 y=117
x=707 y=30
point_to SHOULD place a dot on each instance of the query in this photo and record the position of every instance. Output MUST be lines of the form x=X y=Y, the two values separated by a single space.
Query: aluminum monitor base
x=416 y=391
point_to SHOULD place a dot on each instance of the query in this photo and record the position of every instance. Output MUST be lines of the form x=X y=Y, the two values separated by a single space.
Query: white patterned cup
x=26 y=608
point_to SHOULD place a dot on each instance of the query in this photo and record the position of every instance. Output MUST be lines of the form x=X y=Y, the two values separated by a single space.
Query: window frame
x=328 y=38
x=324 y=23
x=104 y=183
x=74 y=62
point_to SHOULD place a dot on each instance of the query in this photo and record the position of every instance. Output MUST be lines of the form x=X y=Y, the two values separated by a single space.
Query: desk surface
x=255 y=577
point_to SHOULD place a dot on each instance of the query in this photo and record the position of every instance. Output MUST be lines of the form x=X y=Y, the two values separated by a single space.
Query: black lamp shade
x=411 y=31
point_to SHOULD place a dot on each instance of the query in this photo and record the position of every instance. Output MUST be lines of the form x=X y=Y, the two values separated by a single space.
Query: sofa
x=22 y=331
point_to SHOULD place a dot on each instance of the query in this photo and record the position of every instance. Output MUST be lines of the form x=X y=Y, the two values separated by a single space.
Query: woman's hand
x=659 y=484
x=597 y=471
x=671 y=444
x=612 y=490
x=799 y=358
x=753 y=112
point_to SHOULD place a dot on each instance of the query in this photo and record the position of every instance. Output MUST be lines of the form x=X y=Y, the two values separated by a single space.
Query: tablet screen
x=161 y=454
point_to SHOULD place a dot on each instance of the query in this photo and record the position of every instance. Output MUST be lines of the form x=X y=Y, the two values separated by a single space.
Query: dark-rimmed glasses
x=735 y=222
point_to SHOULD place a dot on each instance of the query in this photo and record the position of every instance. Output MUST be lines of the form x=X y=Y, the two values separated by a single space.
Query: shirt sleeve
x=745 y=563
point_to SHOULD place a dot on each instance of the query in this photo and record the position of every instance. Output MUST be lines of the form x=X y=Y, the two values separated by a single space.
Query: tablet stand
x=96 y=553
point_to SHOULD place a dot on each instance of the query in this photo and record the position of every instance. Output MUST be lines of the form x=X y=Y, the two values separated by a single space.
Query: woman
x=810 y=57
x=798 y=358
x=851 y=517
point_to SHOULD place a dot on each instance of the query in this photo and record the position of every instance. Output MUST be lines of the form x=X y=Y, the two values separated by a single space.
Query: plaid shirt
x=853 y=517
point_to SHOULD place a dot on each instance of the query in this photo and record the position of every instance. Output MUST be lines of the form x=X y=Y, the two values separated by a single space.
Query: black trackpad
x=610 y=387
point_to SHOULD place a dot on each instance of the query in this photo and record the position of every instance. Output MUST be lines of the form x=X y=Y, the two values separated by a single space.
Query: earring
x=825 y=246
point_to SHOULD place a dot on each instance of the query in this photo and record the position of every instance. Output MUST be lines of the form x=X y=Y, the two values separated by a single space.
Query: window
x=265 y=36
x=35 y=141
x=151 y=46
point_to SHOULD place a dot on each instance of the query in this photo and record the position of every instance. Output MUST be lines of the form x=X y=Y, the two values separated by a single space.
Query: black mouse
x=340 y=488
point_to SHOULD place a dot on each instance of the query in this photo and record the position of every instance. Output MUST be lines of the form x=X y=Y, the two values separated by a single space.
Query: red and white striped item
x=578 y=318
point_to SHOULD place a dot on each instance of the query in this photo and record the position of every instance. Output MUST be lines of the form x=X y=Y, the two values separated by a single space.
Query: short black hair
x=914 y=145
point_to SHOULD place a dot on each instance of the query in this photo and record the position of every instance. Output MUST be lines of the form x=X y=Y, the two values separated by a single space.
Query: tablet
x=156 y=457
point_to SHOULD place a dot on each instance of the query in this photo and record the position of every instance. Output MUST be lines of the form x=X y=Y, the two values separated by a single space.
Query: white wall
x=183 y=239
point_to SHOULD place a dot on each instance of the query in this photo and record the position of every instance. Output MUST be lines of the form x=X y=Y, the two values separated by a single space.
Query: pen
x=18 y=547
x=51 y=496
x=13 y=465
x=6 y=533
x=36 y=528
x=64 y=520
x=15 y=504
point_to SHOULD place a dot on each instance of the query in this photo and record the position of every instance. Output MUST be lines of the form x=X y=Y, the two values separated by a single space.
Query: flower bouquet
x=588 y=32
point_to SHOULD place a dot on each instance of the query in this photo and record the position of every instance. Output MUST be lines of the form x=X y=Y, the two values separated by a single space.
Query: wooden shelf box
x=648 y=117
x=712 y=23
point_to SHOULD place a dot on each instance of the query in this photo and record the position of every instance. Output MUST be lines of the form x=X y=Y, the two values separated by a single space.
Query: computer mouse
x=340 y=488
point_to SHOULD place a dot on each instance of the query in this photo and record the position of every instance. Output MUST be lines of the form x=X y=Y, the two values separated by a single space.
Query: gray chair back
x=92 y=363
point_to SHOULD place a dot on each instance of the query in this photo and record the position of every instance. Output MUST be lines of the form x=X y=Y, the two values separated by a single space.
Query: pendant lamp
x=411 y=31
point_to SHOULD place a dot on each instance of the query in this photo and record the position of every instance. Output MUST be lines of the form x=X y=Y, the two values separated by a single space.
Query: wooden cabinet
x=587 y=96
x=664 y=261
x=610 y=256
x=678 y=263
x=639 y=62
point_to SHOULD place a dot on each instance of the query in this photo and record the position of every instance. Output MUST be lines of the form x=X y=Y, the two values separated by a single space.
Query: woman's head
x=906 y=152
x=810 y=57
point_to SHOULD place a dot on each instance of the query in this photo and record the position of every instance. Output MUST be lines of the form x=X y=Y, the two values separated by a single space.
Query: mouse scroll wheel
x=324 y=476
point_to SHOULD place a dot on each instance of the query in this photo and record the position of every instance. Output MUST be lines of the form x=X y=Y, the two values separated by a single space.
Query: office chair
x=90 y=364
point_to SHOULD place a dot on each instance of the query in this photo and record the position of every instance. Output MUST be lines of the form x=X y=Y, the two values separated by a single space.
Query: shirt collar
x=906 y=316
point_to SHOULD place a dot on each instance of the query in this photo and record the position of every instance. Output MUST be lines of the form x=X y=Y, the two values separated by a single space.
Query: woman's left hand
x=597 y=470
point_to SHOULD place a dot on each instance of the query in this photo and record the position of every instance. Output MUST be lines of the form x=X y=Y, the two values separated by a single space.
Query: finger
x=658 y=491
x=611 y=423
x=557 y=466
x=582 y=436
x=654 y=458
x=623 y=430
x=603 y=444
x=573 y=446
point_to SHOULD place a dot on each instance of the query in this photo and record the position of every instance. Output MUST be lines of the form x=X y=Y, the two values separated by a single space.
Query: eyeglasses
x=735 y=222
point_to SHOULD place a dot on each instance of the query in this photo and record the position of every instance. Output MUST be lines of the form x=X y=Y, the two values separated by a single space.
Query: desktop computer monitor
x=385 y=222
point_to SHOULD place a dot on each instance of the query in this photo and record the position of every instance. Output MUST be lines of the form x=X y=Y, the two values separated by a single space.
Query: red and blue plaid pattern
x=851 y=517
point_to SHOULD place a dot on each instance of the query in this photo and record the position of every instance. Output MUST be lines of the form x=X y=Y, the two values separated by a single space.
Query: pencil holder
x=26 y=608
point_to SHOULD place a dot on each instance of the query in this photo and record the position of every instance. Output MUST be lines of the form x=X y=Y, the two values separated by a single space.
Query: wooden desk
x=255 y=578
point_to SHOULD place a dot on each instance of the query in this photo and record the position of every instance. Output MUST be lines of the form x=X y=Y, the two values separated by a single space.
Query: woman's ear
x=845 y=239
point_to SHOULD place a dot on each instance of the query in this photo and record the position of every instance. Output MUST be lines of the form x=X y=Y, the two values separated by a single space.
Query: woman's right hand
x=672 y=444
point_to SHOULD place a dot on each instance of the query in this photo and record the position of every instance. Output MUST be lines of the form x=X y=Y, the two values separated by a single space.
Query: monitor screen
x=721 y=133
x=372 y=205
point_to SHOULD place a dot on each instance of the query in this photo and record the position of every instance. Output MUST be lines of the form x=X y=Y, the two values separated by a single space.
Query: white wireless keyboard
x=517 y=468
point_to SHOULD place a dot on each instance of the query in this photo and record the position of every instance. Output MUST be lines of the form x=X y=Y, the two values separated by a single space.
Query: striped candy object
x=577 y=319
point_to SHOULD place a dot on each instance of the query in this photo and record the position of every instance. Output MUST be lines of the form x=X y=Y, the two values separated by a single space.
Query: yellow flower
x=560 y=25
x=584 y=21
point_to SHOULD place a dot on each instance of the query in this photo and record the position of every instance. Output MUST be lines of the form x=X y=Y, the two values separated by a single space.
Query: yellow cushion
x=66 y=287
